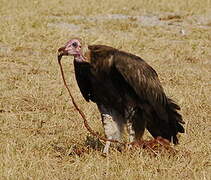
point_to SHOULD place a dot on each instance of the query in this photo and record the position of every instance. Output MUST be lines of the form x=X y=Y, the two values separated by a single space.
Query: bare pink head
x=73 y=48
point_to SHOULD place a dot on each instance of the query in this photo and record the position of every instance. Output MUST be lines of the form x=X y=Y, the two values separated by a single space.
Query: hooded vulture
x=126 y=90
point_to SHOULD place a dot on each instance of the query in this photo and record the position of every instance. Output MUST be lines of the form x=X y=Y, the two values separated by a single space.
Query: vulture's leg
x=113 y=125
x=139 y=124
x=135 y=124
x=131 y=131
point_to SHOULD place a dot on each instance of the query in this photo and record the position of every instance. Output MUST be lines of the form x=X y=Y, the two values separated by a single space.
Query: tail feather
x=175 y=120
x=158 y=126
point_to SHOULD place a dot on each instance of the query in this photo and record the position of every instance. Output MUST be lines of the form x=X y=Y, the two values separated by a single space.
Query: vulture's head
x=73 y=47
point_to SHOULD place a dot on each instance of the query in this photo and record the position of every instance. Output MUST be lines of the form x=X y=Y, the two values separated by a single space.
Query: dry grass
x=39 y=126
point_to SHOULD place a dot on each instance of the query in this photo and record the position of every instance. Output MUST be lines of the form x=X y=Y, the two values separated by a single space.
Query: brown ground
x=40 y=131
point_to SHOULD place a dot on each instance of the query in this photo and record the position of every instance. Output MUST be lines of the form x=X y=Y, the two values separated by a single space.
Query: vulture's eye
x=75 y=44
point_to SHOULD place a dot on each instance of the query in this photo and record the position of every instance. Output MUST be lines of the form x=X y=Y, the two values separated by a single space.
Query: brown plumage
x=126 y=88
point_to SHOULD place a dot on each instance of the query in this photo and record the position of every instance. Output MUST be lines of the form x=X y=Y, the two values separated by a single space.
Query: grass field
x=39 y=127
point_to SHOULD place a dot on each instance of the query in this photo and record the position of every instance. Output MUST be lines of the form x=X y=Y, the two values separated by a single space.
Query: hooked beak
x=62 y=51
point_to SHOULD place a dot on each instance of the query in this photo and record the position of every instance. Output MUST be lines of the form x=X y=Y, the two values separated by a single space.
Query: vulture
x=126 y=90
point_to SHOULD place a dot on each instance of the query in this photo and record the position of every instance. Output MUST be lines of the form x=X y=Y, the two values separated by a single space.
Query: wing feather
x=163 y=120
x=142 y=77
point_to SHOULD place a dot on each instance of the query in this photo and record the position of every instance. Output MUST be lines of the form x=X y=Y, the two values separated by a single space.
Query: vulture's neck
x=87 y=54
x=83 y=56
